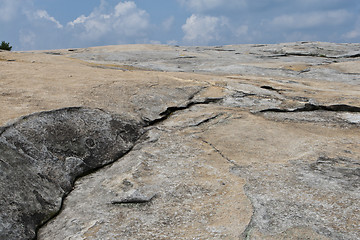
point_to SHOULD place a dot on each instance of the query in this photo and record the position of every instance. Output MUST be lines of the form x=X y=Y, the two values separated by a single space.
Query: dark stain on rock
x=345 y=171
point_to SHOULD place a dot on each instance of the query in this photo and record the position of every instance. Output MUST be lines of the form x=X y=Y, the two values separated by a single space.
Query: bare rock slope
x=169 y=142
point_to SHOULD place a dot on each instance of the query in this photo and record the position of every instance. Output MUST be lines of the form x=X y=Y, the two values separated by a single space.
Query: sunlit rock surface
x=226 y=142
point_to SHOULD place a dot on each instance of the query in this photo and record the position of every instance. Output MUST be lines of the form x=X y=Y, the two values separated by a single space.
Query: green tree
x=5 y=46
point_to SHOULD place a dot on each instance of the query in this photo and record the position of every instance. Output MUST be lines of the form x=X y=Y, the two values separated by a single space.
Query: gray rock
x=42 y=155
x=246 y=59
x=296 y=198
x=241 y=142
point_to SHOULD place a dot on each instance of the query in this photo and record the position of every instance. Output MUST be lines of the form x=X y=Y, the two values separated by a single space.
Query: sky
x=57 y=24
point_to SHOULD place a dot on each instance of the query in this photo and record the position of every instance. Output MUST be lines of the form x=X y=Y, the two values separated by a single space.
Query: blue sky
x=53 y=24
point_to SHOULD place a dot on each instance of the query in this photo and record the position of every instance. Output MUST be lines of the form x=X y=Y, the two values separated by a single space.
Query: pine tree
x=5 y=46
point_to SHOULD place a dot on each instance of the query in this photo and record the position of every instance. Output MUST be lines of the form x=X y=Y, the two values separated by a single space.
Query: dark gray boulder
x=42 y=154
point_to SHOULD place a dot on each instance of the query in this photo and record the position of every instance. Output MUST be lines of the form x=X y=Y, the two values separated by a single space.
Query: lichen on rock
x=43 y=154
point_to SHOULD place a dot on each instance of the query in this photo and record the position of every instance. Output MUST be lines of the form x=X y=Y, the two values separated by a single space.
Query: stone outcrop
x=227 y=142
x=42 y=155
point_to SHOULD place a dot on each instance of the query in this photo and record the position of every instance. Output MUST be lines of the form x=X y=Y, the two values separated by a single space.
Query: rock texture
x=227 y=142
x=41 y=156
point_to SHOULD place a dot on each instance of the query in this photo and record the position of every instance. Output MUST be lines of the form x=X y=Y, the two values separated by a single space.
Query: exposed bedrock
x=43 y=153
x=225 y=142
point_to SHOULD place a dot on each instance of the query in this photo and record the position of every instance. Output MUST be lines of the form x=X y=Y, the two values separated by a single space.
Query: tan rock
x=241 y=142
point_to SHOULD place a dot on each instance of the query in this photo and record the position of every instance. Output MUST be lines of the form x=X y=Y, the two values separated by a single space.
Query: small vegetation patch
x=5 y=46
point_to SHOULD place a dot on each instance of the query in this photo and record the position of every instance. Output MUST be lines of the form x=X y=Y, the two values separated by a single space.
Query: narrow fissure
x=94 y=170
x=173 y=109
x=170 y=110
x=311 y=108
x=207 y=120
x=164 y=115
x=271 y=88
x=219 y=152
x=134 y=200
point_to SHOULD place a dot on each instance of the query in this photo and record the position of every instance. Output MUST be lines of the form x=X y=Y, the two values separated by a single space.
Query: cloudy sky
x=51 y=24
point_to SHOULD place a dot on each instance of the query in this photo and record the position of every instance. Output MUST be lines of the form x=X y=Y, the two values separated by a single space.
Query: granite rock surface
x=173 y=142
x=41 y=156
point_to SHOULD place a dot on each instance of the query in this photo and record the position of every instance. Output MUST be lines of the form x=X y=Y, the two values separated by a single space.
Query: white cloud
x=27 y=38
x=27 y=26
x=205 y=30
x=206 y=5
x=241 y=30
x=106 y=24
x=201 y=5
x=124 y=8
x=9 y=9
x=42 y=14
x=167 y=24
x=81 y=19
x=313 y=19
x=123 y=22
x=130 y=20
x=200 y=29
x=355 y=33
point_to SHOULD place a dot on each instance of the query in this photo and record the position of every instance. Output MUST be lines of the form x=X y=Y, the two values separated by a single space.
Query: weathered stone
x=192 y=195
x=240 y=142
x=42 y=155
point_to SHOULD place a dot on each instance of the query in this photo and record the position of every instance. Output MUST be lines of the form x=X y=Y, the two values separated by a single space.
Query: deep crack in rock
x=271 y=88
x=58 y=147
x=170 y=110
x=293 y=167
x=308 y=107
x=135 y=198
